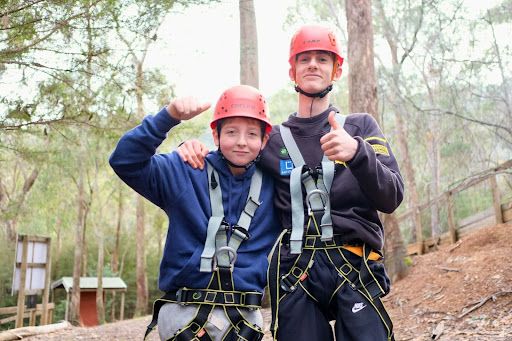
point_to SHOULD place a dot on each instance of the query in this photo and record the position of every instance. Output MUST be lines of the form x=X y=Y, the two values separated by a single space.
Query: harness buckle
x=286 y=284
x=241 y=232
x=180 y=296
x=230 y=251
x=324 y=197
x=224 y=226
x=314 y=172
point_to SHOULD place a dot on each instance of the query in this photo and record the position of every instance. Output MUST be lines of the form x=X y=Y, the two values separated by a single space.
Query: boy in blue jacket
x=221 y=218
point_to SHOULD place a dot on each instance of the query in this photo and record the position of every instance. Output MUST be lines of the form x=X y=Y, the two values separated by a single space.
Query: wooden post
x=32 y=319
x=46 y=291
x=496 y=199
x=113 y=307
x=451 y=221
x=66 y=313
x=419 y=231
x=121 y=313
x=23 y=275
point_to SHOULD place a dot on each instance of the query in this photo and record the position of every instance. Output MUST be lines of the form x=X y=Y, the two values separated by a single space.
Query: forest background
x=75 y=75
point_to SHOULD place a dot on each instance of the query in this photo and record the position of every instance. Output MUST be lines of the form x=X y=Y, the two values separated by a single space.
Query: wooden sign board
x=37 y=257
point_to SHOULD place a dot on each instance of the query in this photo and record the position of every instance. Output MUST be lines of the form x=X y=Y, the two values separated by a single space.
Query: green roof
x=91 y=283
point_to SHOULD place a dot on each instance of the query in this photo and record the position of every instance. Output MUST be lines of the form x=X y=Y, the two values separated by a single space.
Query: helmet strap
x=320 y=94
x=246 y=166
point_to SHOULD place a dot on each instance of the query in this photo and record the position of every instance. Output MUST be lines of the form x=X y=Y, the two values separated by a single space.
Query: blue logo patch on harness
x=285 y=167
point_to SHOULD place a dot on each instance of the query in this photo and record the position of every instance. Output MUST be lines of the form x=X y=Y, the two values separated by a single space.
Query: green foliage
x=408 y=261
x=59 y=311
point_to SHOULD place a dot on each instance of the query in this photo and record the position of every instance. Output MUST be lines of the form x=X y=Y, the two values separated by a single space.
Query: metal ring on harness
x=322 y=194
x=229 y=250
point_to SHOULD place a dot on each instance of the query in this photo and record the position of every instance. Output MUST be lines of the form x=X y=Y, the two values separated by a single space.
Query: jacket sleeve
x=135 y=160
x=375 y=168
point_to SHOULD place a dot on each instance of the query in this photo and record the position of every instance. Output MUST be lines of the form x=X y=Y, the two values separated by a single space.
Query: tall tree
x=363 y=98
x=396 y=99
x=362 y=84
x=83 y=204
x=248 y=44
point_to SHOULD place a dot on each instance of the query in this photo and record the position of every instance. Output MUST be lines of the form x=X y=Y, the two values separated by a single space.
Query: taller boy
x=334 y=173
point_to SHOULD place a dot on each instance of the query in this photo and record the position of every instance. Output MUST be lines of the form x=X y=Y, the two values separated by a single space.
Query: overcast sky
x=199 y=49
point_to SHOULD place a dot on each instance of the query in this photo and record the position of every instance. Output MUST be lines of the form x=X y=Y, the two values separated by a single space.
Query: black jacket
x=370 y=182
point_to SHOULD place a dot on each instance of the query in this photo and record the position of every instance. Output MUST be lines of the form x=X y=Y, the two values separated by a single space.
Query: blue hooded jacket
x=182 y=192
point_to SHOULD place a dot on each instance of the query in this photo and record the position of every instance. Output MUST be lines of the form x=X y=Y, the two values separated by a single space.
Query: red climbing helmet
x=242 y=101
x=314 y=37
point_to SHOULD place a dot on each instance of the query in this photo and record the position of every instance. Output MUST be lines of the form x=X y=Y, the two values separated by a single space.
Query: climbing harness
x=218 y=257
x=316 y=236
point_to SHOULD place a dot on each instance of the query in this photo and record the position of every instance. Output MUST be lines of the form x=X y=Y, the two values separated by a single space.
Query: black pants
x=324 y=296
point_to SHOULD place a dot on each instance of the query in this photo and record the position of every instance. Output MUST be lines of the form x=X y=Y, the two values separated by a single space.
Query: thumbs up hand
x=185 y=108
x=337 y=144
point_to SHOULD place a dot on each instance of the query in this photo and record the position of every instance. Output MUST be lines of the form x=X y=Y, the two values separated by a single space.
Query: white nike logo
x=357 y=307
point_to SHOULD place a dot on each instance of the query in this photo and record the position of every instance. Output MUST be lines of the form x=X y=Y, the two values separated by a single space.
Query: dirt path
x=127 y=330
x=459 y=292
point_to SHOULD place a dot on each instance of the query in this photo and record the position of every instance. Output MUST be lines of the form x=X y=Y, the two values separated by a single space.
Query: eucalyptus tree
x=400 y=31
x=248 y=44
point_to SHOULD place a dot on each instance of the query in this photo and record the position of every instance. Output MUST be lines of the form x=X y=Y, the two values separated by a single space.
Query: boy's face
x=240 y=139
x=314 y=70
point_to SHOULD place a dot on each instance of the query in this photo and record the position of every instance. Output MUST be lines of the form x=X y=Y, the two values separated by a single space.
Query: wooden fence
x=499 y=212
x=30 y=313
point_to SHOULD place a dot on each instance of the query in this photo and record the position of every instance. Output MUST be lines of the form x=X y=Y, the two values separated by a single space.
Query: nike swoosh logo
x=357 y=308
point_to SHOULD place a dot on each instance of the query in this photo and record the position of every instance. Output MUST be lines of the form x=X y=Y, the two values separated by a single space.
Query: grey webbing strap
x=253 y=200
x=215 y=221
x=317 y=193
x=291 y=147
x=297 y=211
x=325 y=180
x=251 y=205
x=216 y=237
x=341 y=119
x=295 y=190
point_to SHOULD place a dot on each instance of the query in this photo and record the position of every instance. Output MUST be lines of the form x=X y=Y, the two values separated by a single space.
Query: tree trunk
x=100 y=307
x=362 y=85
x=394 y=248
x=363 y=98
x=248 y=44
x=433 y=151
x=74 y=313
x=84 y=241
x=142 y=287
x=120 y=213
x=400 y=108
x=58 y=248
x=115 y=253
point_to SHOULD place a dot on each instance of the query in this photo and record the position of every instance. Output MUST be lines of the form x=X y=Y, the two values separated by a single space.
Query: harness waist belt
x=204 y=296
x=315 y=242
